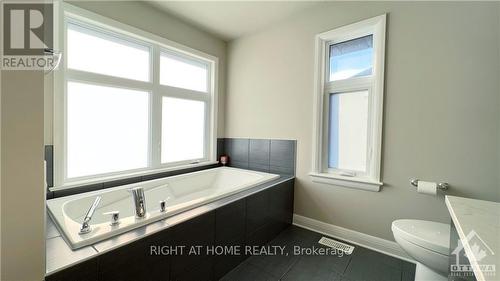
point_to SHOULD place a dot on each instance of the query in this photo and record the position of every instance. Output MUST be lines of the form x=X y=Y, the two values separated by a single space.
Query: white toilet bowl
x=426 y=241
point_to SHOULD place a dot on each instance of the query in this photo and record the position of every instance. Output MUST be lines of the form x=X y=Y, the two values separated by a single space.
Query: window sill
x=136 y=174
x=351 y=182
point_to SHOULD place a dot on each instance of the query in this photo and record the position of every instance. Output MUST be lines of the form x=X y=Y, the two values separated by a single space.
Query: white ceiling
x=230 y=20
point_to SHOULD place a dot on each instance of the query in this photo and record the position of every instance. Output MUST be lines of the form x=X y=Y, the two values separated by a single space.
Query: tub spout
x=139 y=201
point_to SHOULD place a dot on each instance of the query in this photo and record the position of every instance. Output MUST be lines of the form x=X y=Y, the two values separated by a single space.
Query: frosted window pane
x=183 y=73
x=100 y=53
x=348 y=131
x=107 y=129
x=183 y=130
x=353 y=58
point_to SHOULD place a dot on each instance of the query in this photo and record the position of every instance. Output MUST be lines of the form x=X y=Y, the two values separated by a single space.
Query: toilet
x=428 y=243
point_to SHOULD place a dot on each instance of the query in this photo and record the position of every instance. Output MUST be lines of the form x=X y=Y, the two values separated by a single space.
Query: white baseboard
x=371 y=242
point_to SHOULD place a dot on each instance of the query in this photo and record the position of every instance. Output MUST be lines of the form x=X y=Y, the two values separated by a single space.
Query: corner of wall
x=498 y=98
x=23 y=233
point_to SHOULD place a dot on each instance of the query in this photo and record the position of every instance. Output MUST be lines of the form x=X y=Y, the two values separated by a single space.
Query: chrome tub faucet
x=139 y=201
x=85 y=225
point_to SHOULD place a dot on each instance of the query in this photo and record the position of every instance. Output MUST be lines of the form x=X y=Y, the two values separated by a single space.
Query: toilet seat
x=433 y=236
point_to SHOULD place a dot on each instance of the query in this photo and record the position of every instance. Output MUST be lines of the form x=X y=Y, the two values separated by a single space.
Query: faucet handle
x=86 y=228
x=163 y=204
x=115 y=217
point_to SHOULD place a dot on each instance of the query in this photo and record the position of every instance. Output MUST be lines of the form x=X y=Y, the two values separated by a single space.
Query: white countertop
x=478 y=219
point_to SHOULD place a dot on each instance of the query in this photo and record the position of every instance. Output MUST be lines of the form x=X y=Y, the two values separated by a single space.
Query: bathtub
x=181 y=193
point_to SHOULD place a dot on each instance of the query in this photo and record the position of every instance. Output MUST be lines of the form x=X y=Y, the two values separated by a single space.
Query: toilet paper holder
x=440 y=185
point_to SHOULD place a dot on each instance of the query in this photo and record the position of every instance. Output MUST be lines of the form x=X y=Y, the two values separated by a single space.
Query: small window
x=349 y=105
x=180 y=72
x=348 y=127
x=97 y=52
x=353 y=58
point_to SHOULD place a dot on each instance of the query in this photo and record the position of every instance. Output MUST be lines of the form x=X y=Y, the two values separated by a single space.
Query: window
x=353 y=58
x=348 y=131
x=129 y=103
x=107 y=129
x=348 y=108
x=183 y=73
x=182 y=140
x=98 y=52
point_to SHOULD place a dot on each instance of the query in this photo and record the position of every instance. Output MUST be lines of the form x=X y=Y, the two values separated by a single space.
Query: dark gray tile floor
x=362 y=265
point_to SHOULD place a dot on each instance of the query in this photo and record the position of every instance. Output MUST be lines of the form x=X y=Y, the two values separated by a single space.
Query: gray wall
x=441 y=118
x=147 y=18
x=22 y=193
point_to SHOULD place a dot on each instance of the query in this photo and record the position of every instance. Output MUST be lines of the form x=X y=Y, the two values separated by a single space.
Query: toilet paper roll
x=427 y=187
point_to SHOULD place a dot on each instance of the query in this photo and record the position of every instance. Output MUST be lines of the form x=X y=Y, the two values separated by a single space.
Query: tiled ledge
x=265 y=155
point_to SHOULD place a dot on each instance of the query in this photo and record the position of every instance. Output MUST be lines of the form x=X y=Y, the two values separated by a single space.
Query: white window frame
x=374 y=84
x=74 y=15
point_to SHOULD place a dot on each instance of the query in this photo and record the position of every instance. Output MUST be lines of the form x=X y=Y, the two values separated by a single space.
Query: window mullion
x=101 y=79
x=182 y=93
x=353 y=84
x=155 y=150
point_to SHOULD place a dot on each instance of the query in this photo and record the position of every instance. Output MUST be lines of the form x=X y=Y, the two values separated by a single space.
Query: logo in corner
x=479 y=250
x=27 y=36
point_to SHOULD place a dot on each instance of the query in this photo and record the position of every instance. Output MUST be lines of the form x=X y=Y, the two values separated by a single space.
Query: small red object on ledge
x=224 y=159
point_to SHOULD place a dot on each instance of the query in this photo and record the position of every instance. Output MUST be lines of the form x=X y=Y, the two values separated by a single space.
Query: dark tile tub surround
x=49 y=159
x=49 y=173
x=265 y=155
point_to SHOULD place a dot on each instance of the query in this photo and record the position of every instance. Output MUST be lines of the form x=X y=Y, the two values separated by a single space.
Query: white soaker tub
x=181 y=193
